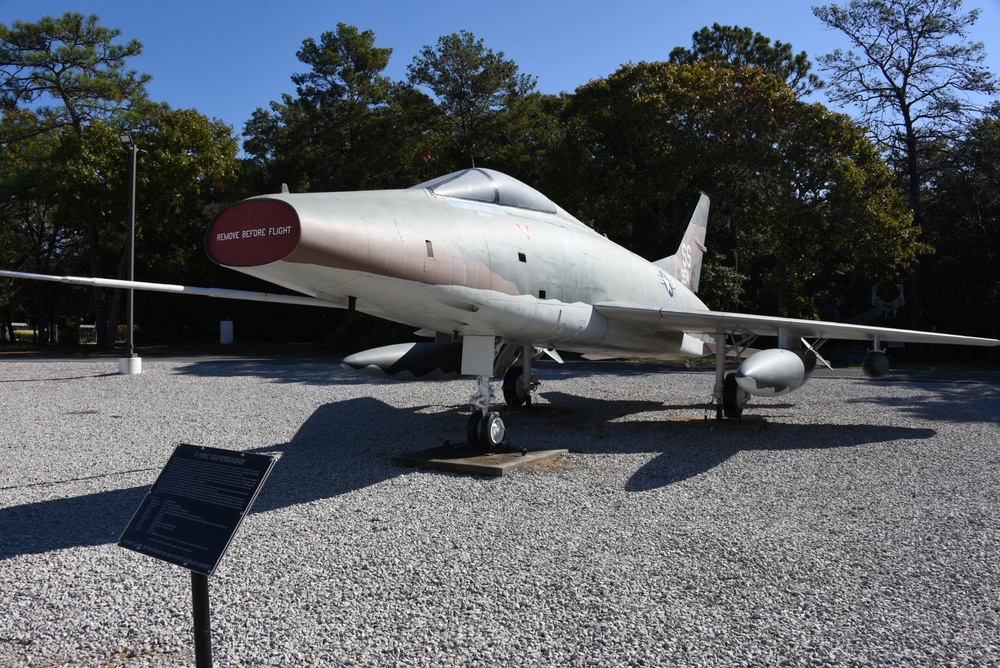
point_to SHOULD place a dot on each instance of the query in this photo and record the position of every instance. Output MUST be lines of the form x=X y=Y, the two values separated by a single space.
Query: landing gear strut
x=485 y=429
x=481 y=357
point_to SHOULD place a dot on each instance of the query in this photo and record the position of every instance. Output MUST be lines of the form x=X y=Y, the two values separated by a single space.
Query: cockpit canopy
x=491 y=187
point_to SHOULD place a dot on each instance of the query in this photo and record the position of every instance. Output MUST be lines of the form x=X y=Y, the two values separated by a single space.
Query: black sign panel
x=193 y=509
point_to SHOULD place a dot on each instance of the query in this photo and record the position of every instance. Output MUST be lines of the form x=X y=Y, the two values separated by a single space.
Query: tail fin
x=685 y=264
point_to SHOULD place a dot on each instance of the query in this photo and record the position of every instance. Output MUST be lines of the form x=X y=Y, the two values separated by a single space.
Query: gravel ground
x=861 y=528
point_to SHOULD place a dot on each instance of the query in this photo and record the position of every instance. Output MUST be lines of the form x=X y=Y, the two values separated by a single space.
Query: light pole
x=133 y=363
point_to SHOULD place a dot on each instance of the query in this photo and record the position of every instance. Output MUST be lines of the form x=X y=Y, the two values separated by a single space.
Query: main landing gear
x=518 y=383
x=728 y=397
x=734 y=398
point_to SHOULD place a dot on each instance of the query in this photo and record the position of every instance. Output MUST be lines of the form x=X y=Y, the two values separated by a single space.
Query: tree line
x=810 y=207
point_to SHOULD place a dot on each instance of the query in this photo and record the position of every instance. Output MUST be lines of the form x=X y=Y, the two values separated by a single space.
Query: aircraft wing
x=712 y=322
x=220 y=293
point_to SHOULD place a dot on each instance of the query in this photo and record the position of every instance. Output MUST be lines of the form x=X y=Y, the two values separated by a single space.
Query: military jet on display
x=498 y=275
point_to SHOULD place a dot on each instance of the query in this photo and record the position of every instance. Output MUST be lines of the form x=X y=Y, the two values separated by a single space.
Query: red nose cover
x=252 y=233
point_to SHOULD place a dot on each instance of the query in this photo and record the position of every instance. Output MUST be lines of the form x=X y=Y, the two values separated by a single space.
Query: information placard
x=192 y=511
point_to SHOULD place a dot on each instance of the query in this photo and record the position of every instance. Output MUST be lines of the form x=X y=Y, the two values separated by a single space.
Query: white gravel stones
x=859 y=529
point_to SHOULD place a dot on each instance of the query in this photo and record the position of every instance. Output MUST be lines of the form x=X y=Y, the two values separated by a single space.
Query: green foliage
x=850 y=223
x=801 y=199
x=61 y=77
x=346 y=72
x=348 y=128
x=340 y=100
x=962 y=285
x=735 y=47
x=188 y=169
x=69 y=71
x=911 y=77
x=479 y=91
x=655 y=132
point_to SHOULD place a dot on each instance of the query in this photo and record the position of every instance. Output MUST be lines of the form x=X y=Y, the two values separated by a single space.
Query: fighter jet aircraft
x=498 y=275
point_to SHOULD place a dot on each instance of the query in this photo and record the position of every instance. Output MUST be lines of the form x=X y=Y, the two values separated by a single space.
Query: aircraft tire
x=491 y=431
x=511 y=379
x=731 y=404
x=472 y=427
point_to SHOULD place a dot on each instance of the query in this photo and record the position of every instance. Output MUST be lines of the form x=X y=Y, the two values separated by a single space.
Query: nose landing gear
x=485 y=429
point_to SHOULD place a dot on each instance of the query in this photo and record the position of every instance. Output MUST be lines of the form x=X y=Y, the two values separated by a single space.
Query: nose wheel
x=485 y=432
x=485 y=428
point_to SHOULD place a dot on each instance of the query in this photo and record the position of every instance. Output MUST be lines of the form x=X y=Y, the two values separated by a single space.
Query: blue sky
x=225 y=58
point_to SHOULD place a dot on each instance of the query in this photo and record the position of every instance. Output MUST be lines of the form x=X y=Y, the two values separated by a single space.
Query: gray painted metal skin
x=468 y=268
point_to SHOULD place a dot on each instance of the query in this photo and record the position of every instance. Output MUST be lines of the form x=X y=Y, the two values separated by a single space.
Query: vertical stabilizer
x=685 y=264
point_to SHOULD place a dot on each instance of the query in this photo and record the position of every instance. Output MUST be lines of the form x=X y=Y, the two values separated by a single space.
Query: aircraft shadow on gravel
x=324 y=371
x=307 y=371
x=347 y=446
x=696 y=450
x=342 y=447
x=946 y=401
x=690 y=446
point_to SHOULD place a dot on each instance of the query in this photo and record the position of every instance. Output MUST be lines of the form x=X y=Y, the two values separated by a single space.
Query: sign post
x=201 y=613
x=191 y=513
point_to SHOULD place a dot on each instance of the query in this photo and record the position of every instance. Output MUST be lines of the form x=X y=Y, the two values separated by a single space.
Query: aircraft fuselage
x=452 y=265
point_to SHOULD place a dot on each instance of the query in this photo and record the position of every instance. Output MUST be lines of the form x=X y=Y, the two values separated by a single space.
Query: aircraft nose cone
x=253 y=232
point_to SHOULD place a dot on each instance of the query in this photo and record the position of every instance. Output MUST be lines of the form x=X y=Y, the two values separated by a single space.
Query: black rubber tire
x=730 y=402
x=472 y=427
x=510 y=382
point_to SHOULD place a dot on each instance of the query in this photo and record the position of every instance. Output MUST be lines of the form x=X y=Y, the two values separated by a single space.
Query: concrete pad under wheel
x=471 y=461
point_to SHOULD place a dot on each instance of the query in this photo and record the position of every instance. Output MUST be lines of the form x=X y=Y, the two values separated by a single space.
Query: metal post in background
x=132 y=364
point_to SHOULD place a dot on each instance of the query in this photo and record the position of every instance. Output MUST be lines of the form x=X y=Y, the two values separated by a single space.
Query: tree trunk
x=913 y=190
x=41 y=317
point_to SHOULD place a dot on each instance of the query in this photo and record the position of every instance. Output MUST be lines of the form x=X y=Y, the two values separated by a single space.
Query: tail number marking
x=686 y=264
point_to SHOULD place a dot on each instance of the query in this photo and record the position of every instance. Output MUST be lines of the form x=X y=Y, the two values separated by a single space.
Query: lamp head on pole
x=126 y=140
